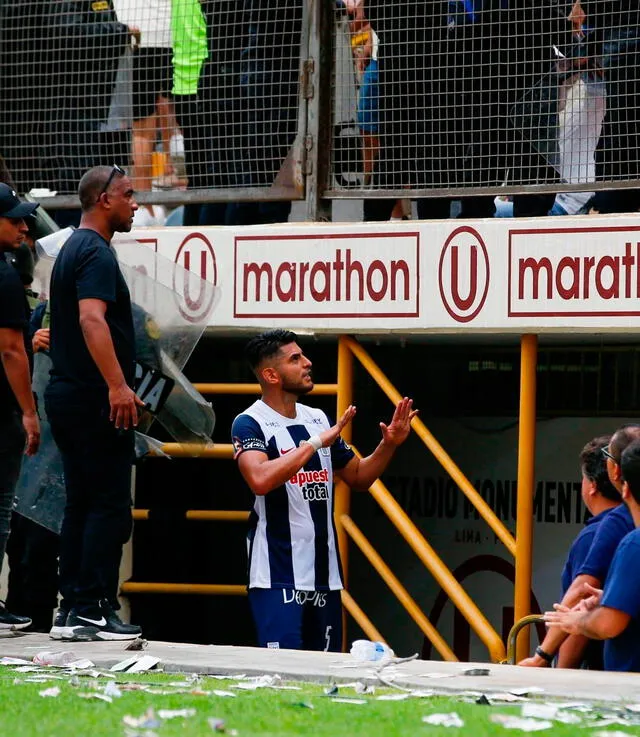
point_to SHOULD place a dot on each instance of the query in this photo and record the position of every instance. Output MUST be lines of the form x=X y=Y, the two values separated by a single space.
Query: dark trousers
x=97 y=520
x=12 y=440
x=32 y=551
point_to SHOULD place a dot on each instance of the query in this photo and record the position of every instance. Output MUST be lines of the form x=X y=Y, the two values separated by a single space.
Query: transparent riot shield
x=166 y=335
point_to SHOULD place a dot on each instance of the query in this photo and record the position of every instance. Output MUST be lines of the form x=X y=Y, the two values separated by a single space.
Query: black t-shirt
x=14 y=313
x=87 y=268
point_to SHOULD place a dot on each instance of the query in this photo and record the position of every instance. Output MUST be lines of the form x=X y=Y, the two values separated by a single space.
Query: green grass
x=264 y=712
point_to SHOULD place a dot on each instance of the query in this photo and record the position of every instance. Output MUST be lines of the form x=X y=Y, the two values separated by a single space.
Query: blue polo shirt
x=610 y=532
x=580 y=549
x=622 y=591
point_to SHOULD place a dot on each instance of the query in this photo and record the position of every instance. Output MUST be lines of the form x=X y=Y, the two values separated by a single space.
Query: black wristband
x=545 y=656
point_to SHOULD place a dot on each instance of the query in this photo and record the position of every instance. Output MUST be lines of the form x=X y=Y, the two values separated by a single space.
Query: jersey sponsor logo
x=315 y=493
x=308 y=477
x=313 y=598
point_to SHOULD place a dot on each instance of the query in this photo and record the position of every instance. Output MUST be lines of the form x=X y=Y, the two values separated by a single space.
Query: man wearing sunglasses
x=93 y=409
x=593 y=571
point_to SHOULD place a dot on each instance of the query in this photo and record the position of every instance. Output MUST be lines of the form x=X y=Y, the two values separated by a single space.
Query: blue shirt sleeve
x=622 y=589
x=610 y=532
x=341 y=454
x=97 y=274
x=246 y=434
x=576 y=558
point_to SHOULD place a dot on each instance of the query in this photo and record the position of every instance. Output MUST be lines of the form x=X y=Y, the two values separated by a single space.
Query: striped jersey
x=292 y=537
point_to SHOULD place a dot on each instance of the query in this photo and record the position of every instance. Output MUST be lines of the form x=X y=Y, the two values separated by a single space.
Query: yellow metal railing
x=346 y=528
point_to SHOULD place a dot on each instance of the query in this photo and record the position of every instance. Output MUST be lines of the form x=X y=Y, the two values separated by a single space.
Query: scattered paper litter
x=608 y=721
x=176 y=713
x=422 y=694
x=567 y=718
x=505 y=697
x=147 y=721
x=436 y=675
x=43 y=679
x=392 y=697
x=444 y=720
x=95 y=695
x=526 y=691
x=112 y=690
x=14 y=661
x=220 y=677
x=54 y=657
x=220 y=692
x=524 y=725
x=364 y=688
x=28 y=669
x=51 y=693
x=266 y=681
x=80 y=664
x=146 y=662
x=347 y=700
x=633 y=707
x=124 y=664
x=539 y=711
x=612 y=733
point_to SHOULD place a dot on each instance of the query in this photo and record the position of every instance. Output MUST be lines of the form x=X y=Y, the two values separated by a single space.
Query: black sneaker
x=59 y=625
x=10 y=621
x=101 y=623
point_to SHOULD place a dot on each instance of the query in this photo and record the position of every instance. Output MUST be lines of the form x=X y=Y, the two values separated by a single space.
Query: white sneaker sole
x=92 y=634
x=14 y=627
x=58 y=633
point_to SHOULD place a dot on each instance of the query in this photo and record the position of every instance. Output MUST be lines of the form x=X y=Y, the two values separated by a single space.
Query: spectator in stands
x=271 y=35
x=287 y=453
x=615 y=40
x=153 y=112
x=189 y=40
x=613 y=615
x=595 y=567
x=450 y=73
x=87 y=44
x=26 y=91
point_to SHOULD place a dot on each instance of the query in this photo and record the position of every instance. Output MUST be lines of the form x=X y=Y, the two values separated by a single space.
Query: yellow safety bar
x=515 y=631
x=520 y=547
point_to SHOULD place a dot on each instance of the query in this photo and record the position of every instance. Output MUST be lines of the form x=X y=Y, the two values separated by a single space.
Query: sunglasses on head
x=607 y=454
x=116 y=170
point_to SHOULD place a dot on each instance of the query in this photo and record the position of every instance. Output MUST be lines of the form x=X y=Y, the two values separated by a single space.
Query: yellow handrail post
x=526 y=486
x=343 y=492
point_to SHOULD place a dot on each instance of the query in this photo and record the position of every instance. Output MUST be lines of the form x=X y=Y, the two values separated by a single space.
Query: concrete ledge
x=327 y=667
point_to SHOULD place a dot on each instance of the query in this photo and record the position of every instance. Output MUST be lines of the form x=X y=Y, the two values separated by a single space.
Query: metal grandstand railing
x=220 y=101
x=348 y=349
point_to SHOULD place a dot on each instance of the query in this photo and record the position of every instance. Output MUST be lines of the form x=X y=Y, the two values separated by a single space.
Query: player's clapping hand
x=398 y=429
x=330 y=436
x=564 y=618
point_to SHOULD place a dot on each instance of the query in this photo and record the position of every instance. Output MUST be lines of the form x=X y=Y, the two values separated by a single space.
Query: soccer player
x=288 y=453
x=613 y=615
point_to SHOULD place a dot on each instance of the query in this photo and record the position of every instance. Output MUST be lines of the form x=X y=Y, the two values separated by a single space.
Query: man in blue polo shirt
x=92 y=408
x=613 y=615
x=595 y=568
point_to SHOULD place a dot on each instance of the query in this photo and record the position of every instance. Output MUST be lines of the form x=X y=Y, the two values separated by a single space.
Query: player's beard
x=298 y=389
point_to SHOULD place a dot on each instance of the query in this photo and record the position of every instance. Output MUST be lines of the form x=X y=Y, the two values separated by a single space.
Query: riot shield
x=166 y=336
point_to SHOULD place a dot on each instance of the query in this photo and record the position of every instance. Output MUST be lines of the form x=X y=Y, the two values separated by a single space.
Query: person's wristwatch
x=544 y=655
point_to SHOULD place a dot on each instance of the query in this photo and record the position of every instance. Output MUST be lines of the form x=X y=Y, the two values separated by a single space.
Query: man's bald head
x=92 y=185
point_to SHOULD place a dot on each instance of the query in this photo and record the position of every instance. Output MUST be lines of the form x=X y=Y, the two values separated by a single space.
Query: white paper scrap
x=14 y=661
x=524 y=725
x=346 y=700
x=176 y=713
x=539 y=711
x=444 y=720
x=392 y=697
x=51 y=693
x=123 y=665
x=220 y=692
x=614 y=733
x=112 y=690
x=146 y=662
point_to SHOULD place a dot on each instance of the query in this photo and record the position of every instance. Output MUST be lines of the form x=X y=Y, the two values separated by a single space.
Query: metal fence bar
x=201 y=515
x=221 y=388
x=397 y=589
x=438 y=451
x=203 y=589
x=365 y=624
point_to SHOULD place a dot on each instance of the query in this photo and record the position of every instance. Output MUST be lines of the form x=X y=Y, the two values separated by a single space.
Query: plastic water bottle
x=370 y=651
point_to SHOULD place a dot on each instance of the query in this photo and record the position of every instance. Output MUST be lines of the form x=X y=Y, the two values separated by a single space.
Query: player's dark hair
x=630 y=465
x=266 y=345
x=594 y=466
x=622 y=437
x=91 y=186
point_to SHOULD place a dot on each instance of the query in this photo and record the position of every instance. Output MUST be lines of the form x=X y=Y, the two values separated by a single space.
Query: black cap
x=11 y=206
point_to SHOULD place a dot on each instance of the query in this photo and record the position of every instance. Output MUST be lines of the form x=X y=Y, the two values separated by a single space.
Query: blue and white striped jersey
x=292 y=537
